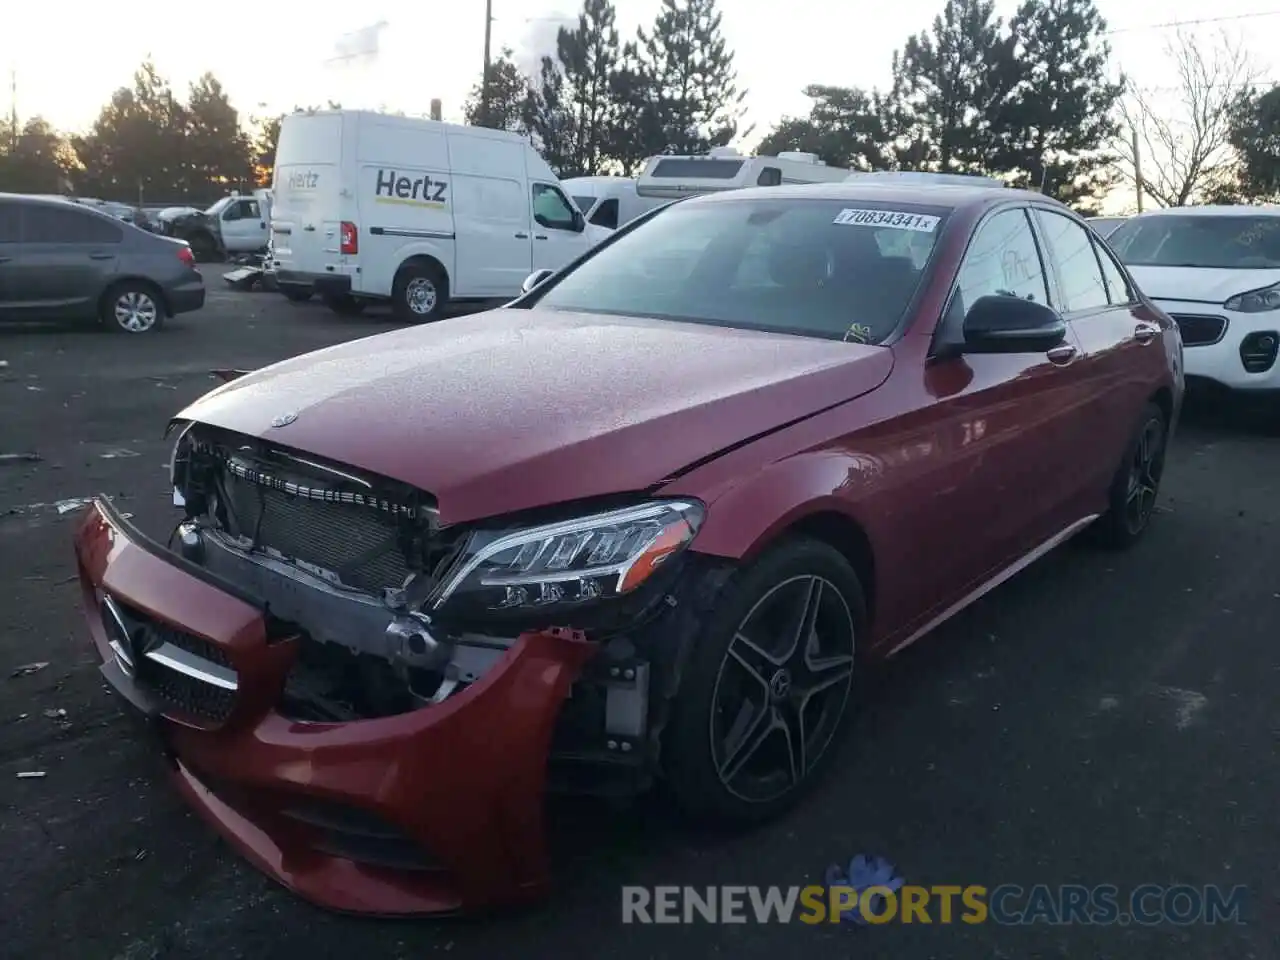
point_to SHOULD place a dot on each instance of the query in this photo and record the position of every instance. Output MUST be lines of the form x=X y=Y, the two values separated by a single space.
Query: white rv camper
x=609 y=201
x=669 y=178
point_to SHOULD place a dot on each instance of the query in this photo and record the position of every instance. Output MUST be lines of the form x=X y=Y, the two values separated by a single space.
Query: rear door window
x=1072 y=252
x=57 y=224
x=10 y=222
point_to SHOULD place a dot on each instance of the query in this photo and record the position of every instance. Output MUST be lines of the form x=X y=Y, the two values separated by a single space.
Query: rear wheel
x=203 y=247
x=419 y=293
x=346 y=306
x=765 y=696
x=1136 y=484
x=131 y=307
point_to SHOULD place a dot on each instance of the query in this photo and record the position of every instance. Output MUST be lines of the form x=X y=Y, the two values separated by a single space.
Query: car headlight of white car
x=1256 y=301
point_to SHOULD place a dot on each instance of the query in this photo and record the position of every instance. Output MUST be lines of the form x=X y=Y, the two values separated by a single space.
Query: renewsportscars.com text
x=1008 y=904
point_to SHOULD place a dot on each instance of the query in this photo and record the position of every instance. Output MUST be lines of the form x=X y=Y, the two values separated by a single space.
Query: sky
x=67 y=68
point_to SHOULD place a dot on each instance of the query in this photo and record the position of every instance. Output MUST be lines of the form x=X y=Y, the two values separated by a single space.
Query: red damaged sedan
x=643 y=524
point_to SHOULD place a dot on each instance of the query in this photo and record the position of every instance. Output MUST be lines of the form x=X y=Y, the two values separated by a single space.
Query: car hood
x=1200 y=285
x=514 y=409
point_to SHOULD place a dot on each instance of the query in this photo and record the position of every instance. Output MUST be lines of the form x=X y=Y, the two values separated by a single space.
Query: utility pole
x=1137 y=168
x=13 y=108
x=484 y=77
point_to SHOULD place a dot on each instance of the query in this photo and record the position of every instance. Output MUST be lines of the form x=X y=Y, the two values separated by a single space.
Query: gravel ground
x=1099 y=720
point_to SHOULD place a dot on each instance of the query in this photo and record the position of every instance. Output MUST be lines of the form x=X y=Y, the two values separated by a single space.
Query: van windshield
x=842 y=270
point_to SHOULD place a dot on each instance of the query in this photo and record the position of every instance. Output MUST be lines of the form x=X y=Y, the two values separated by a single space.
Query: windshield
x=1219 y=243
x=218 y=207
x=844 y=270
x=584 y=203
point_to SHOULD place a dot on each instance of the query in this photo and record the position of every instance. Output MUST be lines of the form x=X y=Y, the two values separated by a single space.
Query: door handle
x=101 y=256
x=6 y=259
x=522 y=236
x=1146 y=332
x=1062 y=355
x=539 y=236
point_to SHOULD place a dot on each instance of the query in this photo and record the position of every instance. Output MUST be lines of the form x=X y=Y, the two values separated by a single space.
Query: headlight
x=1256 y=301
x=178 y=499
x=598 y=556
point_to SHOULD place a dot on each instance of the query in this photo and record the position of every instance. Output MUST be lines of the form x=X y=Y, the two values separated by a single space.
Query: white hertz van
x=609 y=201
x=369 y=207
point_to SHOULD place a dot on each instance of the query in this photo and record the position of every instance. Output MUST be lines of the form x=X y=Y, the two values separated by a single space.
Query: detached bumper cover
x=435 y=811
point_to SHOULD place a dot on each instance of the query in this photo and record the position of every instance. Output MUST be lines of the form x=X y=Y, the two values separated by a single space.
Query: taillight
x=186 y=256
x=350 y=238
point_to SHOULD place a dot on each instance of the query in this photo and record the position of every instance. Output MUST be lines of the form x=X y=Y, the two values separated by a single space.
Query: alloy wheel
x=136 y=311
x=1144 y=475
x=782 y=688
x=420 y=295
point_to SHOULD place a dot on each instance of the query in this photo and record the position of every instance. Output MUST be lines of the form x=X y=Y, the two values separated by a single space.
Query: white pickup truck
x=236 y=224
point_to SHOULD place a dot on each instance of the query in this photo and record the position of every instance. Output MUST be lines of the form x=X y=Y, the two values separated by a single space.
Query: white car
x=1105 y=226
x=1216 y=271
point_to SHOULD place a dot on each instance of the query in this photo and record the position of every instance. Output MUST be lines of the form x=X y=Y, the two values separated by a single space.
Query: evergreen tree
x=1054 y=129
x=508 y=97
x=695 y=103
x=588 y=57
x=948 y=84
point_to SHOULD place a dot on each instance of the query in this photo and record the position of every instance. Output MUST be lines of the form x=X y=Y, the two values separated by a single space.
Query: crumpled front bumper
x=435 y=811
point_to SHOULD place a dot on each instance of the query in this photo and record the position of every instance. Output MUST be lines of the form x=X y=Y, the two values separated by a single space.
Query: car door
x=557 y=228
x=10 y=235
x=1113 y=340
x=1008 y=421
x=243 y=228
x=68 y=255
x=492 y=236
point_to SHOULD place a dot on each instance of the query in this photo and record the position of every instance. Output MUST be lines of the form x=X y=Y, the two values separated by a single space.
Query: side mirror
x=535 y=278
x=1005 y=324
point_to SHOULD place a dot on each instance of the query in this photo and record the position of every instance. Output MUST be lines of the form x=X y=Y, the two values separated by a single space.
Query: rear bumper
x=435 y=811
x=186 y=297
x=325 y=284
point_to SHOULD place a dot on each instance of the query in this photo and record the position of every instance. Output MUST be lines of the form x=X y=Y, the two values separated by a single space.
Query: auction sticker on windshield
x=894 y=219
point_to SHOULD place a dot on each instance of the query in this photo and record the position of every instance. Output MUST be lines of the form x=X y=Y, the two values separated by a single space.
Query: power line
x=1174 y=24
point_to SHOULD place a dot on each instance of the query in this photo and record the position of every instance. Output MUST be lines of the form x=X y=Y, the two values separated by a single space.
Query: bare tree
x=1185 y=144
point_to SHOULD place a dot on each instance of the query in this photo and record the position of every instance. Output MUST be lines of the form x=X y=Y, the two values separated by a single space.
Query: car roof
x=41 y=198
x=953 y=196
x=1215 y=210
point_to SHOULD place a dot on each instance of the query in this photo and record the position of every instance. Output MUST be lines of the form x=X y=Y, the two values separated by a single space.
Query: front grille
x=146 y=640
x=1200 y=330
x=360 y=544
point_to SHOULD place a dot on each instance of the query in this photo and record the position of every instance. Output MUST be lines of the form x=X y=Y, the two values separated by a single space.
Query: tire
x=419 y=293
x=1127 y=518
x=133 y=307
x=693 y=749
x=297 y=296
x=203 y=247
x=345 y=306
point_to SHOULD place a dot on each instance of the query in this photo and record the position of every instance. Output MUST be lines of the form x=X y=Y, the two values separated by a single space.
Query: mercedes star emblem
x=284 y=419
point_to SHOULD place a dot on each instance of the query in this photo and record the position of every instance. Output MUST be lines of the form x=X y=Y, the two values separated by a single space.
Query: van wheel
x=131 y=307
x=419 y=293
x=345 y=306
